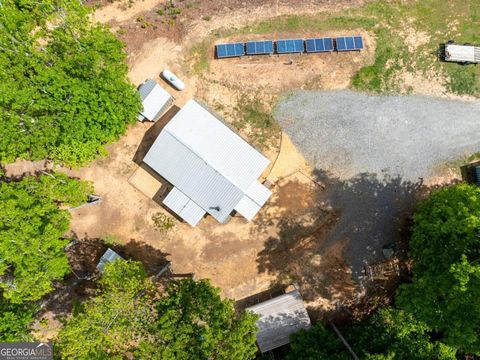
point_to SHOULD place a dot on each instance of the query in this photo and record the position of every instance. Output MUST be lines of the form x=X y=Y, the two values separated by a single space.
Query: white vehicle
x=173 y=80
x=465 y=54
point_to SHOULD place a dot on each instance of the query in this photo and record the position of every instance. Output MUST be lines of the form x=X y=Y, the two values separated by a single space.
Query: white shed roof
x=206 y=161
x=154 y=99
x=280 y=317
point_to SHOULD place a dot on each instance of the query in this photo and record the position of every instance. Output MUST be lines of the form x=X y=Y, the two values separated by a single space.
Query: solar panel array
x=230 y=50
x=259 y=47
x=319 y=45
x=290 y=46
x=314 y=45
x=349 y=43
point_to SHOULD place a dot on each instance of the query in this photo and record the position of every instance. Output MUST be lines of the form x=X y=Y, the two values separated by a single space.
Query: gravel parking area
x=348 y=133
x=370 y=152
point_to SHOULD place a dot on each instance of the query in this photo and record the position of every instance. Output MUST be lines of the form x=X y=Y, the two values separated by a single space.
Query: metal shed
x=155 y=100
x=212 y=169
x=280 y=317
x=108 y=257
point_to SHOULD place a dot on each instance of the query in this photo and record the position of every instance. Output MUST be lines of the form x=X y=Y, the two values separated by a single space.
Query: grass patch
x=473 y=157
x=463 y=80
x=163 y=223
x=437 y=20
x=258 y=122
x=201 y=56
x=379 y=77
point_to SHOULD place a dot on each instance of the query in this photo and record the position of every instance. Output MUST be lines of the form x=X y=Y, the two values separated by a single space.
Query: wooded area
x=32 y=246
x=63 y=81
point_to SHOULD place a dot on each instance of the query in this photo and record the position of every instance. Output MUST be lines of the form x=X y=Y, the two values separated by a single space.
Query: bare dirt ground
x=243 y=258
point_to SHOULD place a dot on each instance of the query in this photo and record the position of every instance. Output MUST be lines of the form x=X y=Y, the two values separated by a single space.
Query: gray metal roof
x=182 y=205
x=280 y=317
x=154 y=98
x=146 y=88
x=108 y=257
x=206 y=160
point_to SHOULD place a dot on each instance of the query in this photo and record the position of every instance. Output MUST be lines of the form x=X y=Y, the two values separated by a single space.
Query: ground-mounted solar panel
x=230 y=50
x=319 y=45
x=349 y=43
x=358 y=42
x=259 y=47
x=290 y=46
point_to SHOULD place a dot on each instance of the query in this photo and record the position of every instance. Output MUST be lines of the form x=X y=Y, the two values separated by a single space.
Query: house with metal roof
x=155 y=100
x=280 y=317
x=212 y=169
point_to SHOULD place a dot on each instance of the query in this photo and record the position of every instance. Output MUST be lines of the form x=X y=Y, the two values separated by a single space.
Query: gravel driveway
x=349 y=133
x=371 y=151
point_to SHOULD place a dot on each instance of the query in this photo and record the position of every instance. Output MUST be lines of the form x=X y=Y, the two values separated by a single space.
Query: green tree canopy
x=114 y=321
x=445 y=246
x=317 y=343
x=31 y=228
x=195 y=323
x=395 y=334
x=388 y=334
x=63 y=83
x=128 y=316
x=14 y=321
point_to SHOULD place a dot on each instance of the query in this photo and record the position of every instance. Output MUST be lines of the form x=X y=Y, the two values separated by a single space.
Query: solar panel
x=358 y=42
x=230 y=50
x=319 y=45
x=290 y=46
x=259 y=47
x=349 y=43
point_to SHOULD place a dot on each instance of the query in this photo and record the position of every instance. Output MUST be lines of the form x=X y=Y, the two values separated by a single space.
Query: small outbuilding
x=108 y=257
x=280 y=317
x=211 y=168
x=155 y=100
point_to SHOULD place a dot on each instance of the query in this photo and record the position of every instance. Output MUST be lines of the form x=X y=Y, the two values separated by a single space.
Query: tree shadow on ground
x=84 y=255
x=358 y=217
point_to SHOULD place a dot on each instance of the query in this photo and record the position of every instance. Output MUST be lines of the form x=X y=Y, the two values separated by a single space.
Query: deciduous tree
x=116 y=320
x=14 y=321
x=445 y=246
x=187 y=321
x=32 y=225
x=387 y=334
x=195 y=322
x=63 y=83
